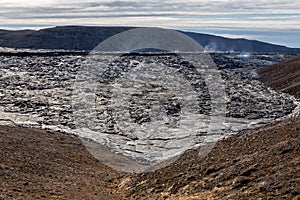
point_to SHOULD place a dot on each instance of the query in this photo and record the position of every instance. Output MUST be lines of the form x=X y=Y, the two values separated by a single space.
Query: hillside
x=67 y=38
x=40 y=164
x=217 y=43
x=86 y=38
x=284 y=76
x=259 y=163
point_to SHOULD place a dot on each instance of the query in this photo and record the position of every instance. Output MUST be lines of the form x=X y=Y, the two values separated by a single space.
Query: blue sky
x=271 y=21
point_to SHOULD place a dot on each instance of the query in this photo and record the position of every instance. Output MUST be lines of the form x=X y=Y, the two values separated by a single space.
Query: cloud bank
x=277 y=21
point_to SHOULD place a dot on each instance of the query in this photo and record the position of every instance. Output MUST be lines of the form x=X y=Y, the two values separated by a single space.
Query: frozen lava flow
x=143 y=117
x=144 y=108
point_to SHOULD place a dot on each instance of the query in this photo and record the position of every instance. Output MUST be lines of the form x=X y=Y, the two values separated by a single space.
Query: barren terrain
x=262 y=163
x=284 y=76
x=259 y=161
x=41 y=164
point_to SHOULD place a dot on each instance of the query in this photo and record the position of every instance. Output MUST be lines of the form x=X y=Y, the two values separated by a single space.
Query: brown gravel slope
x=263 y=163
x=40 y=164
x=284 y=76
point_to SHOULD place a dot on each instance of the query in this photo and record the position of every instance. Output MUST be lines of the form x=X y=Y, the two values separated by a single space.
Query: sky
x=275 y=21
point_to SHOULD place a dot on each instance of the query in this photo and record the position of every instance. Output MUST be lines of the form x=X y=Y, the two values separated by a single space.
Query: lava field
x=132 y=111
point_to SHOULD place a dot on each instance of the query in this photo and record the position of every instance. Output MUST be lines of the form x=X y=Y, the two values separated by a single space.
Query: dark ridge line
x=45 y=54
x=146 y=54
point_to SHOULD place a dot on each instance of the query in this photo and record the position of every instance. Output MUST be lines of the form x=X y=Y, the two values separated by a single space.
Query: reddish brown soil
x=284 y=76
x=40 y=164
x=263 y=163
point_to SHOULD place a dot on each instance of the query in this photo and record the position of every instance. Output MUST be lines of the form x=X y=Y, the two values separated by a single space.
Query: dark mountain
x=68 y=37
x=86 y=38
x=217 y=43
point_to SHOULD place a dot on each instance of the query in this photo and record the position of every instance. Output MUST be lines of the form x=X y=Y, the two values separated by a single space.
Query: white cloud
x=188 y=14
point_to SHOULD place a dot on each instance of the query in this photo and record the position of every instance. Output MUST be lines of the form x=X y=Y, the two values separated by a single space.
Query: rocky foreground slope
x=284 y=76
x=40 y=164
x=262 y=163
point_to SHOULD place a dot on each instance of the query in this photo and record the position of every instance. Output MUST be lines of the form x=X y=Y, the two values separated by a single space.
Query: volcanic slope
x=261 y=163
x=284 y=76
x=41 y=164
x=257 y=163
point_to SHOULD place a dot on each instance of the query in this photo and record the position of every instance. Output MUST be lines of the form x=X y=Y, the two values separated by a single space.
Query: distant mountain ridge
x=88 y=37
